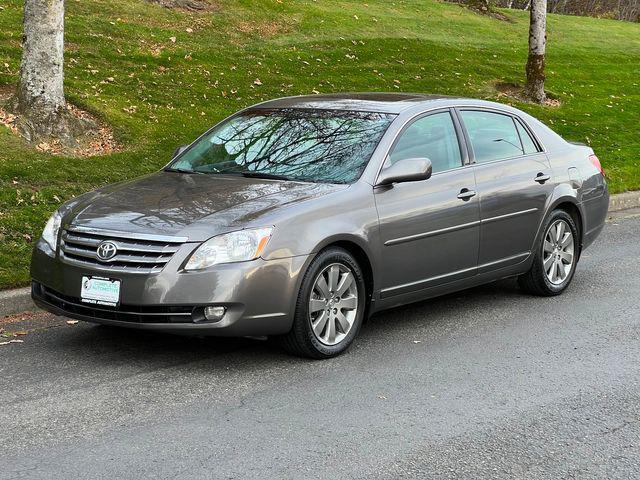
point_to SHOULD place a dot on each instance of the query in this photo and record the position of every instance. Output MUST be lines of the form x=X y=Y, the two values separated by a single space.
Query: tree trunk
x=39 y=101
x=537 y=46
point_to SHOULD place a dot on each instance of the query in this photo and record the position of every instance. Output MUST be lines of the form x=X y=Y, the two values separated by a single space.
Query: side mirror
x=407 y=170
x=179 y=150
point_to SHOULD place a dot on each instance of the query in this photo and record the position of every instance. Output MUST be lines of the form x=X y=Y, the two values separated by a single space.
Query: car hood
x=188 y=205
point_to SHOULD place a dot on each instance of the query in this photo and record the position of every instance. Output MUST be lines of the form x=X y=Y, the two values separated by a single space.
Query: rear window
x=528 y=145
x=493 y=136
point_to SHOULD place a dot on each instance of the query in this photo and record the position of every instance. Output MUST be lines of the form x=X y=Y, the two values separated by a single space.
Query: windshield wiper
x=269 y=176
x=182 y=170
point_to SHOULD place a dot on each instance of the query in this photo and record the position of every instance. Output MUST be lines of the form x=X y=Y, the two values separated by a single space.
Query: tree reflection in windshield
x=310 y=145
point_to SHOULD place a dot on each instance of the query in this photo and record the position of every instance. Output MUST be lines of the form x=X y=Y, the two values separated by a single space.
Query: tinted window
x=310 y=145
x=493 y=136
x=528 y=144
x=434 y=137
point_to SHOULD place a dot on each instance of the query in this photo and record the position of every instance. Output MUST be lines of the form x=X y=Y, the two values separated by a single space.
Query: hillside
x=160 y=77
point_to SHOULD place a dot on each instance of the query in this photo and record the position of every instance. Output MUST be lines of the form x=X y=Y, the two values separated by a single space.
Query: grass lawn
x=161 y=77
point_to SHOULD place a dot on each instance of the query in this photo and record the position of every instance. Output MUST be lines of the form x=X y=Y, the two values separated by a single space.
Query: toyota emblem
x=107 y=250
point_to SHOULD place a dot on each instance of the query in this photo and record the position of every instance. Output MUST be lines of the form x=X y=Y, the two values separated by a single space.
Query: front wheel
x=556 y=257
x=330 y=306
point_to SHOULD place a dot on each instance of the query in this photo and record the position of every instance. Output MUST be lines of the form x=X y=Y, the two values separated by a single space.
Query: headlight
x=237 y=246
x=50 y=232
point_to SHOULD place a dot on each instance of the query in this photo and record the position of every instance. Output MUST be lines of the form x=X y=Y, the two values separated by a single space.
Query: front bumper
x=259 y=295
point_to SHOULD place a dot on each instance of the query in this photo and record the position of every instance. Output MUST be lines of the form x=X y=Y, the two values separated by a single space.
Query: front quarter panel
x=347 y=215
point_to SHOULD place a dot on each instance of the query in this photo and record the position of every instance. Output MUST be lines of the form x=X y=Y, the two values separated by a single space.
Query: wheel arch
x=564 y=198
x=360 y=251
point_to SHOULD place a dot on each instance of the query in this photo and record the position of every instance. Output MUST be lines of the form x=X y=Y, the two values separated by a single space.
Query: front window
x=327 y=146
x=433 y=137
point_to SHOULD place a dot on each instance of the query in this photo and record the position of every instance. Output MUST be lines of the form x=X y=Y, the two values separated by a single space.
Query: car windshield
x=328 y=146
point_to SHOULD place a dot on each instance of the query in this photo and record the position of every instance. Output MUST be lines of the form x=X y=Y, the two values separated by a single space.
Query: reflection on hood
x=196 y=206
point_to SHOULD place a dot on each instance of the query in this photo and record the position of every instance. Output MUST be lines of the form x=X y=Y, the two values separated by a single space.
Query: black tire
x=301 y=340
x=535 y=281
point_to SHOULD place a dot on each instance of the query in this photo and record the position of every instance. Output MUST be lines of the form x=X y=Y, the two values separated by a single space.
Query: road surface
x=486 y=383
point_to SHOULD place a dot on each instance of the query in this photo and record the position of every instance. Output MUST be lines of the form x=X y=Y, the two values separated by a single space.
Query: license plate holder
x=100 y=291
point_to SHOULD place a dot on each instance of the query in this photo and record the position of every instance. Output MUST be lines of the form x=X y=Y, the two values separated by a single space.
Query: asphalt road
x=487 y=383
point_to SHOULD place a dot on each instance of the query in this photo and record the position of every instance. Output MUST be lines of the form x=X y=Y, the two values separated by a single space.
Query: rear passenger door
x=513 y=178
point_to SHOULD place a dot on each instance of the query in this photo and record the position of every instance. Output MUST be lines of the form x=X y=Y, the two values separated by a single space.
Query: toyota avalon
x=299 y=217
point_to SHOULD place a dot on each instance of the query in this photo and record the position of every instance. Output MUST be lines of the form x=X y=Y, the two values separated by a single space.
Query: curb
x=624 y=201
x=15 y=301
x=19 y=300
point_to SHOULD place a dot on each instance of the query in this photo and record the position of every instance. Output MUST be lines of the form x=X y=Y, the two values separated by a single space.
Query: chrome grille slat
x=85 y=262
x=122 y=244
x=133 y=254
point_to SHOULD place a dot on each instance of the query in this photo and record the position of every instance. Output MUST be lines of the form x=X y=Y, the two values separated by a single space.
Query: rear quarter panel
x=580 y=182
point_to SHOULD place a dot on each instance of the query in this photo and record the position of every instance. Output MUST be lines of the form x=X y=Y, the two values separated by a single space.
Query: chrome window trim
x=454 y=110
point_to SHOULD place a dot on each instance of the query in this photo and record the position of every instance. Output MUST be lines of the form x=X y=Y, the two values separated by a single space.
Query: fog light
x=214 y=314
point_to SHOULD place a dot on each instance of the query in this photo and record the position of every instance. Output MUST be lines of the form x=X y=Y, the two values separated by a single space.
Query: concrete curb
x=19 y=300
x=15 y=301
x=624 y=201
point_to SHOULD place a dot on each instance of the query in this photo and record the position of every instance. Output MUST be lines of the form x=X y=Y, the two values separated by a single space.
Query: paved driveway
x=486 y=383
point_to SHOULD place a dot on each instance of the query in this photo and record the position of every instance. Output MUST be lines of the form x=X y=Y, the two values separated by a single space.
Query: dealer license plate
x=100 y=291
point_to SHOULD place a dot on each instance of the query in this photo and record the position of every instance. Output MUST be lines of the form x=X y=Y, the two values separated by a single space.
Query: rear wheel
x=330 y=306
x=556 y=257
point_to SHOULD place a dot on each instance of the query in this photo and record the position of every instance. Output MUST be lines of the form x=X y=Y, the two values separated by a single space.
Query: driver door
x=429 y=229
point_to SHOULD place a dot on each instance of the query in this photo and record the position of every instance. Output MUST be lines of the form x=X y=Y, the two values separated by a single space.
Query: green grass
x=295 y=47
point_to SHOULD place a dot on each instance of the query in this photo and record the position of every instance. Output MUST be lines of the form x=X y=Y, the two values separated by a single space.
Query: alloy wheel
x=333 y=305
x=558 y=252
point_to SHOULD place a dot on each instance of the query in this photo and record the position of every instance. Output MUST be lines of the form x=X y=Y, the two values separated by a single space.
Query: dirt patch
x=263 y=29
x=516 y=91
x=188 y=5
x=96 y=141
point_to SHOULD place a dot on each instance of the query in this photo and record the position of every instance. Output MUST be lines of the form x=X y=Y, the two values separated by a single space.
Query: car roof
x=365 y=102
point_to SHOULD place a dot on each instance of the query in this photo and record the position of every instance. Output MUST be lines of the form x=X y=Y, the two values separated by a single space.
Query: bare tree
x=537 y=45
x=40 y=102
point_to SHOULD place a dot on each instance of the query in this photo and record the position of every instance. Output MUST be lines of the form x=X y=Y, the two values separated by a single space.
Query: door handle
x=541 y=178
x=465 y=194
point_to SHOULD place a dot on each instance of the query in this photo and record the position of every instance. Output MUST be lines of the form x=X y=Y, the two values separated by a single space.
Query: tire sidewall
x=302 y=323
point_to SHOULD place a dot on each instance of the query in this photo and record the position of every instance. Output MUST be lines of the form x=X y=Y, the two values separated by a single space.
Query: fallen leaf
x=257 y=82
x=173 y=39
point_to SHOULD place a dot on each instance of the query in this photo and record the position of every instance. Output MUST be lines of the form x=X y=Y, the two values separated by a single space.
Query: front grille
x=135 y=255
x=123 y=313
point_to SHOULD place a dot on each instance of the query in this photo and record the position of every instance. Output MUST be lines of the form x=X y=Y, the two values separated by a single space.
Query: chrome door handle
x=541 y=178
x=465 y=194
